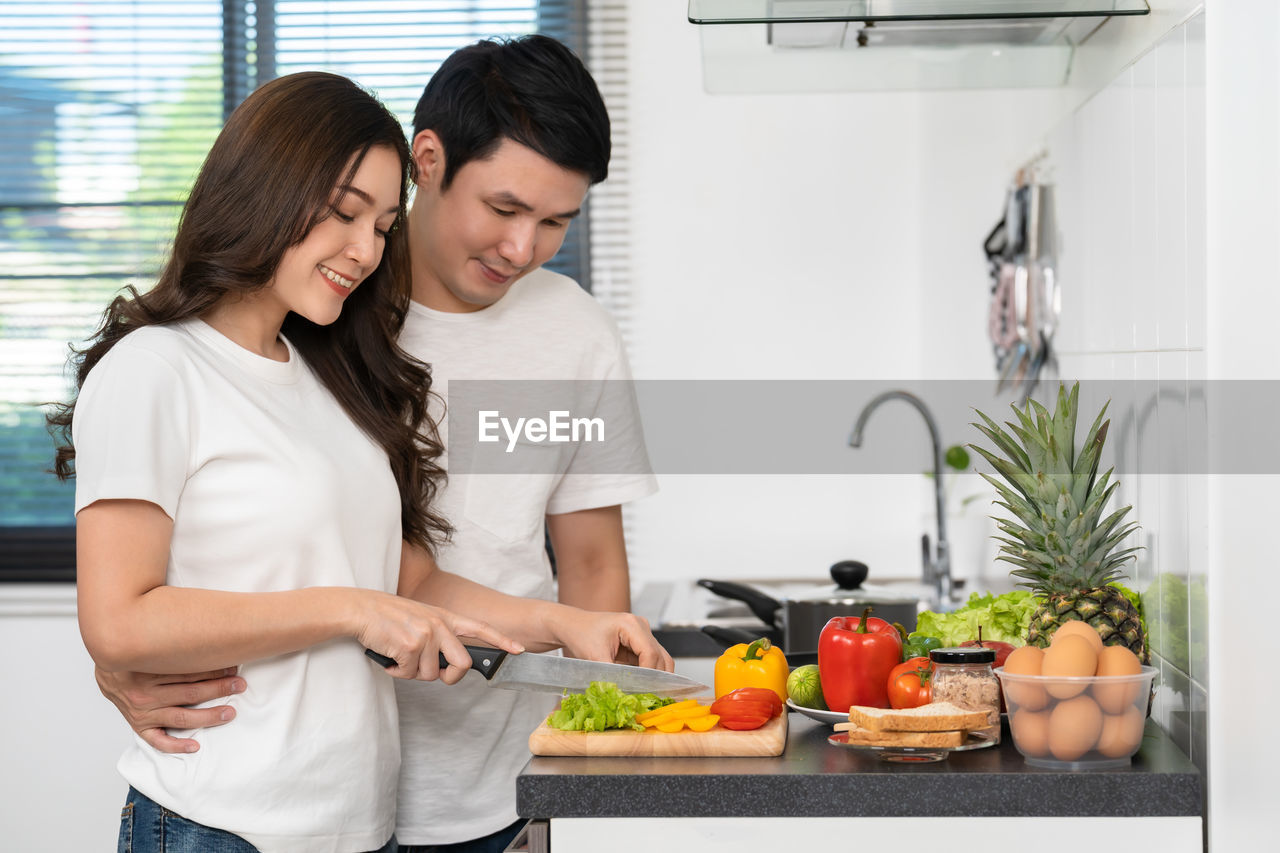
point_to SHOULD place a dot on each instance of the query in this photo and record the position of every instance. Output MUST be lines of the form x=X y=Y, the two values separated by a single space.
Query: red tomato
x=742 y=709
x=910 y=683
x=739 y=709
x=744 y=724
x=748 y=700
x=758 y=694
x=747 y=708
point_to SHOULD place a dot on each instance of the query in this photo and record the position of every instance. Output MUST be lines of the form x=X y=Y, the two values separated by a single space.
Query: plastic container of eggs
x=1077 y=705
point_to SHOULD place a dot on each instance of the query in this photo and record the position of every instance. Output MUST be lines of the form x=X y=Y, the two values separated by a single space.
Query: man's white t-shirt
x=463 y=745
x=270 y=487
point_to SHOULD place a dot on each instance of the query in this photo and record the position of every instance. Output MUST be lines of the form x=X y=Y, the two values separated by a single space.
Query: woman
x=250 y=448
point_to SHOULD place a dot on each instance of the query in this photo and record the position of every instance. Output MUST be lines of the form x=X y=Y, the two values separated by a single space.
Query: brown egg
x=1023 y=694
x=1031 y=732
x=1074 y=727
x=1118 y=661
x=1121 y=733
x=1076 y=628
x=1024 y=660
x=1071 y=657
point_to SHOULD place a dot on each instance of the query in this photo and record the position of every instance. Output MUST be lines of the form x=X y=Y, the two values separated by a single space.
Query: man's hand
x=592 y=575
x=611 y=637
x=153 y=703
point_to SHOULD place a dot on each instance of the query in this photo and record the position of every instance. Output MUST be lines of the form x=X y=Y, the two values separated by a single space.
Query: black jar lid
x=967 y=654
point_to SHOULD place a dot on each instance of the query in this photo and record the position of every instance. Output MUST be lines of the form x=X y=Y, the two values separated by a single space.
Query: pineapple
x=1063 y=546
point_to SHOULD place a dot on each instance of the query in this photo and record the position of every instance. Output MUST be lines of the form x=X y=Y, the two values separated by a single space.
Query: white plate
x=828 y=717
x=909 y=754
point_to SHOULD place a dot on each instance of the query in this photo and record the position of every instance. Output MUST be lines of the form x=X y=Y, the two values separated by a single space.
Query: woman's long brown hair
x=269 y=178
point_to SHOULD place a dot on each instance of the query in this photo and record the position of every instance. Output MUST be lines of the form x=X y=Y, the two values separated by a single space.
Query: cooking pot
x=800 y=619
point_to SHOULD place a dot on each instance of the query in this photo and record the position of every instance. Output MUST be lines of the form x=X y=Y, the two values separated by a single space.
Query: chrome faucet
x=936 y=573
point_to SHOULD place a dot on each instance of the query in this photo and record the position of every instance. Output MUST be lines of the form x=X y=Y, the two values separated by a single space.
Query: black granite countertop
x=813 y=778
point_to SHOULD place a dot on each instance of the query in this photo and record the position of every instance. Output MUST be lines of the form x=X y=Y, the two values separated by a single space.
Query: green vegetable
x=804 y=686
x=919 y=646
x=603 y=706
x=1170 y=596
x=1004 y=618
x=957 y=457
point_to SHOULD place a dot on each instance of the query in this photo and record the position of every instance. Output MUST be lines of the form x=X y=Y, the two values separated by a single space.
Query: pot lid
x=868 y=594
x=850 y=589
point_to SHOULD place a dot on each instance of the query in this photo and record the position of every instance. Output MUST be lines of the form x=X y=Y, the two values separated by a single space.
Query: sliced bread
x=864 y=737
x=935 y=717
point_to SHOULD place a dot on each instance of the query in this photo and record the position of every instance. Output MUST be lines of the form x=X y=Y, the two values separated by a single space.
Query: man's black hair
x=532 y=90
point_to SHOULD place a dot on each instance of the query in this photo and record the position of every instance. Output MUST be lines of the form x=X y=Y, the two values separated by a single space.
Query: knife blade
x=555 y=674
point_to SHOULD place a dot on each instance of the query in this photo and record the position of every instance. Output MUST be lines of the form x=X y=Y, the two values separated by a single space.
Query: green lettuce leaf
x=1004 y=618
x=603 y=706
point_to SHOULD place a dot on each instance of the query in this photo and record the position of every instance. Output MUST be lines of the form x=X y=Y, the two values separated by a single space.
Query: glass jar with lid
x=963 y=677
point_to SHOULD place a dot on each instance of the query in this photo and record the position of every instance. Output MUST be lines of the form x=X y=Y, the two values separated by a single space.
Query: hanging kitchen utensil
x=1025 y=300
x=1002 y=323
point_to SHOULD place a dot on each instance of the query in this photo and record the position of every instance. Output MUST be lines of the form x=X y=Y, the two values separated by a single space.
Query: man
x=508 y=137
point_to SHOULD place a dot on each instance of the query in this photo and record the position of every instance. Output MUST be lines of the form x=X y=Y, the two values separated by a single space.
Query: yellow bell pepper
x=673 y=713
x=760 y=664
x=697 y=718
x=702 y=724
x=643 y=719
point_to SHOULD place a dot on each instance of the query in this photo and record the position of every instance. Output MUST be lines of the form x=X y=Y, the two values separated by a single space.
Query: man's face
x=500 y=218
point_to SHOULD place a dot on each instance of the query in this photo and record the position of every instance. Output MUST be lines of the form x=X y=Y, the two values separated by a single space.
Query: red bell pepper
x=855 y=657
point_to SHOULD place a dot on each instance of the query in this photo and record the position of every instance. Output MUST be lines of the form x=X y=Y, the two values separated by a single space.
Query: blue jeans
x=494 y=843
x=148 y=827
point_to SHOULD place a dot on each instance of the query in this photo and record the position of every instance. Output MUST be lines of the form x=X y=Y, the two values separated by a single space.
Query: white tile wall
x=1129 y=168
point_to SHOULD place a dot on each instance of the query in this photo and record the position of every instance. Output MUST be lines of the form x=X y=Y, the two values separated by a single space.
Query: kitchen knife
x=556 y=674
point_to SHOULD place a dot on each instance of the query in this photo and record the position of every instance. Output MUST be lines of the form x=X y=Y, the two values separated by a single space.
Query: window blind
x=106 y=112
x=610 y=239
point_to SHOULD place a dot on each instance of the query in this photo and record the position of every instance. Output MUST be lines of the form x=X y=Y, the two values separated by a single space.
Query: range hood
x=895 y=44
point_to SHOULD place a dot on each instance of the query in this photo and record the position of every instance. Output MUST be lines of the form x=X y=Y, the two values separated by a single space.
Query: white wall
x=820 y=236
x=1243 y=210
x=1129 y=171
x=1167 y=175
x=59 y=738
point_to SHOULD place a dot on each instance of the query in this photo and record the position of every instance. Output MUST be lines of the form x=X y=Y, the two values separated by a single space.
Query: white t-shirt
x=464 y=745
x=270 y=487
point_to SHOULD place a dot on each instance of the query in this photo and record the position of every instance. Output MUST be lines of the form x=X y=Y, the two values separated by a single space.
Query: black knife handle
x=483 y=660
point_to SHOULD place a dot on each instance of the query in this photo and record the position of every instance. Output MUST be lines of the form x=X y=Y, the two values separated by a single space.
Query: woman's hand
x=416 y=634
x=152 y=703
x=609 y=637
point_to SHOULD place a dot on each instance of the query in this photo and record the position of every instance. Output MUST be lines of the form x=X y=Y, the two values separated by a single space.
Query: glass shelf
x=878 y=45
x=812 y=11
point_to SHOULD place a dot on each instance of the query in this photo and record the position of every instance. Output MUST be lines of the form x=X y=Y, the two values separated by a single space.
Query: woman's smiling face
x=315 y=276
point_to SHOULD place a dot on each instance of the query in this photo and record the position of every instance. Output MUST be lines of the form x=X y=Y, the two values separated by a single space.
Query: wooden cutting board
x=769 y=739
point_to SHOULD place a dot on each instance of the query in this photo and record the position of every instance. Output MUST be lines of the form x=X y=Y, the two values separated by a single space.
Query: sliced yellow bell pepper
x=677 y=714
x=657 y=712
x=759 y=664
x=703 y=724
x=672 y=727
